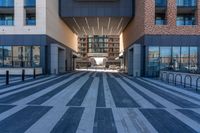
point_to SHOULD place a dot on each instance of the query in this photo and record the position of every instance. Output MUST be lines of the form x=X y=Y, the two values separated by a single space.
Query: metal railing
x=178 y=79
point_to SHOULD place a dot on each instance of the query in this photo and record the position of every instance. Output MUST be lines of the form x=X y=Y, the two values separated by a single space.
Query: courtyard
x=96 y=102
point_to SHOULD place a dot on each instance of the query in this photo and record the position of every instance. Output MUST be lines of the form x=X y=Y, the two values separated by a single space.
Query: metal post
x=34 y=74
x=7 y=77
x=23 y=74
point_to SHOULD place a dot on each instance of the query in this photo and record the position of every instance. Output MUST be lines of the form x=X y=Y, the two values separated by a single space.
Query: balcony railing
x=29 y=3
x=161 y=3
x=186 y=3
x=6 y=22
x=6 y=3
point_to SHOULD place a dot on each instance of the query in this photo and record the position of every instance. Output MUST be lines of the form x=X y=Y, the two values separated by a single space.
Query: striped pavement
x=97 y=102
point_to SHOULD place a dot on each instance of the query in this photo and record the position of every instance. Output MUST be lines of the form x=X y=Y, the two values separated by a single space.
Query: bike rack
x=197 y=81
x=178 y=75
x=169 y=77
x=162 y=76
x=188 y=76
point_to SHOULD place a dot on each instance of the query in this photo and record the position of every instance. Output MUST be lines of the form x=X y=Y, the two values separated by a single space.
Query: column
x=54 y=59
x=137 y=60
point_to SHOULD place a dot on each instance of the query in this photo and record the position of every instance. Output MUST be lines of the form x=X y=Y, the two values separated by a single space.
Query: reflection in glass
x=26 y=54
x=193 y=59
x=184 y=58
x=17 y=56
x=7 y=51
x=176 y=57
x=36 y=56
x=153 y=64
x=165 y=58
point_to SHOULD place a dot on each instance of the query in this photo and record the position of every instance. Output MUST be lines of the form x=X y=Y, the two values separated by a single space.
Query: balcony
x=29 y=3
x=6 y=3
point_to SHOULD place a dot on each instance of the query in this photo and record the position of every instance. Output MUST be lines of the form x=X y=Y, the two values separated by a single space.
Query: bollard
x=23 y=74
x=7 y=77
x=34 y=74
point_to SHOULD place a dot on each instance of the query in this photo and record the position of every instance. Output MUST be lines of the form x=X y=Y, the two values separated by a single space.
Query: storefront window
x=36 y=56
x=184 y=58
x=165 y=58
x=26 y=54
x=176 y=58
x=17 y=56
x=193 y=59
x=153 y=57
x=7 y=52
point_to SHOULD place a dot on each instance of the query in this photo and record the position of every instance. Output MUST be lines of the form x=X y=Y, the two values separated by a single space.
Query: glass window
x=165 y=58
x=17 y=56
x=153 y=52
x=193 y=58
x=184 y=58
x=26 y=54
x=153 y=64
x=176 y=58
x=36 y=56
x=1 y=55
x=7 y=52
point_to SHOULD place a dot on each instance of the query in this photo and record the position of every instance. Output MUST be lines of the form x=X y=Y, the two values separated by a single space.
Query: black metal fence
x=178 y=79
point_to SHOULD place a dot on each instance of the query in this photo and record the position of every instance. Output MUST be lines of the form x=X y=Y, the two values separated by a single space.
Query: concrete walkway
x=97 y=102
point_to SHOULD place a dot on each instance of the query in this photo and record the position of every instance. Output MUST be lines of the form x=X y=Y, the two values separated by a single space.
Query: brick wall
x=143 y=22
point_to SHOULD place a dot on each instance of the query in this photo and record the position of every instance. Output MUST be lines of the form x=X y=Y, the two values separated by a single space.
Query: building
x=32 y=35
x=104 y=48
x=163 y=35
x=154 y=35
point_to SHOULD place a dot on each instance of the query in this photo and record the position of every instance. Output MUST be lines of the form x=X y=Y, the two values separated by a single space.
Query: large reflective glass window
x=17 y=56
x=153 y=60
x=7 y=52
x=36 y=56
x=26 y=54
x=193 y=58
x=1 y=55
x=165 y=58
x=184 y=58
x=176 y=57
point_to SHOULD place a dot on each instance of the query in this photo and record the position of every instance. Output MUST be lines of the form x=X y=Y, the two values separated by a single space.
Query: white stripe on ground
x=90 y=99
x=47 y=122
x=137 y=98
x=11 y=112
x=154 y=96
x=26 y=84
x=87 y=121
x=194 y=125
x=62 y=98
x=171 y=92
x=26 y=88
x=40 y=93
x=108 y=96
x=175 y=88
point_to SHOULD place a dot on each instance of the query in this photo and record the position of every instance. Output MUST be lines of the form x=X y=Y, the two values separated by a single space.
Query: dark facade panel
x=91 y=8
x=172 y=40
